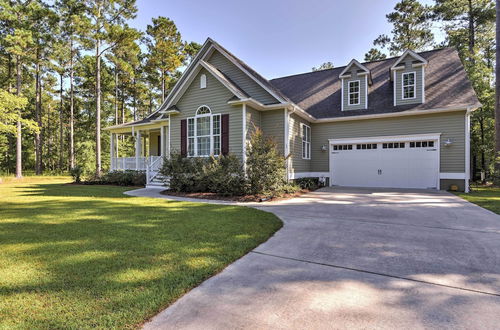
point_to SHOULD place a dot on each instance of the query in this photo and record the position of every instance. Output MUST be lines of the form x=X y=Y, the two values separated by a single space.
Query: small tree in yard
x=266 y=171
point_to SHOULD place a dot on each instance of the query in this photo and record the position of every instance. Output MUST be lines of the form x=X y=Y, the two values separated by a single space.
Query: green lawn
x=88 y=256
x=487 y=197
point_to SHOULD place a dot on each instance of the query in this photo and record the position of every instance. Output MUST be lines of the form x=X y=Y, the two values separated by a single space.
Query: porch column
x=162 y=141
x=112 y=150
x=138 y=142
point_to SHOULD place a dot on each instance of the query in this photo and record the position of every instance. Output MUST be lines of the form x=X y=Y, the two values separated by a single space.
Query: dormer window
x=354 y=92
x=203 y=81
x=409 y=87
x=356 y=79
x=408 y=77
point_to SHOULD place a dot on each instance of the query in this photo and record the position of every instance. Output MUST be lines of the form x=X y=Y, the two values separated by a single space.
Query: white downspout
x=169 y=130
x=112 y=150
x=244 y=146
x=467 y=150
x=137 y=149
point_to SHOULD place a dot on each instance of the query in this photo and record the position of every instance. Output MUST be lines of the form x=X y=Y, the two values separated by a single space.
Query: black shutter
x=225 y=134
x=183 y=137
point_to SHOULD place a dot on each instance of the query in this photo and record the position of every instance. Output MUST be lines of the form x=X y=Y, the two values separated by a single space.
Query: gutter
x=397 y=114
x=301 y=113
x=263 y=107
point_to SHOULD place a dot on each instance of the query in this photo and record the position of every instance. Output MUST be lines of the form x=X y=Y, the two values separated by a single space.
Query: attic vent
x=203 y=81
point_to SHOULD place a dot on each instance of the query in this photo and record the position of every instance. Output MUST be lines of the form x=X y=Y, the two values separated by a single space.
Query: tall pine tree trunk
x=19 y=152
x=38 y=118
x=61 y=130
x=472 y=31
x=71 y=111
x=497 y=97
x=98 y=167
x=116 y=96
x=98 y=111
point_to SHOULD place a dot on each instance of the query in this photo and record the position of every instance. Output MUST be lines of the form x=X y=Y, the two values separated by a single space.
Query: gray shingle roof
x=319 y=93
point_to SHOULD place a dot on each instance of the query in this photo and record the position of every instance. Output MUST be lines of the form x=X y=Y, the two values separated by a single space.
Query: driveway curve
x=357 y=258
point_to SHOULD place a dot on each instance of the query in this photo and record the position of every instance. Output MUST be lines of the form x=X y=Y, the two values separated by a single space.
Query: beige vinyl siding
x=399 y=82
x=153 y=143
x=253 y=121
x=362 y=90
x=272 y=123
x=241 y=79
x=215 y=96
x=451 y=125
x=297 y=164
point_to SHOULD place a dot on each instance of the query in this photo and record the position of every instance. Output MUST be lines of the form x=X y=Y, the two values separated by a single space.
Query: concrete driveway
x=358 y=258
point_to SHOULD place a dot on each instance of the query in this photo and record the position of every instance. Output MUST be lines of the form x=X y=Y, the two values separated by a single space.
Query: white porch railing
x=152 y=168
x=133 y=163
x=151 y=165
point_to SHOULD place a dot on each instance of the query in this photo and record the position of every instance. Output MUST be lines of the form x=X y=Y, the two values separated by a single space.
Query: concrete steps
x=159 y=181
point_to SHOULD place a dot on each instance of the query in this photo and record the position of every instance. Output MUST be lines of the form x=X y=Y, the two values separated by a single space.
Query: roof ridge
x=368 y=62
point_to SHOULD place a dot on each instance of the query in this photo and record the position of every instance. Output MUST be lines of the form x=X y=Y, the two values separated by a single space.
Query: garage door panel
x=401 y=167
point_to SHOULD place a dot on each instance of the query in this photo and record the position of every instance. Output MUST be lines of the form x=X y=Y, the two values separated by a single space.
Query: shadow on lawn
x=123 y=253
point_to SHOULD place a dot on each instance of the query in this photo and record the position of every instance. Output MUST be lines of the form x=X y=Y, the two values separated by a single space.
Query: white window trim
x=342 y=96
x=414 y=85
x=211 y=136
x=203 y=81
x=307 y=143
x=349 y=92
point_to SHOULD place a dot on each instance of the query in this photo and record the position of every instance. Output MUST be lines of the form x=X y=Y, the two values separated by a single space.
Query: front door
x=159 y=145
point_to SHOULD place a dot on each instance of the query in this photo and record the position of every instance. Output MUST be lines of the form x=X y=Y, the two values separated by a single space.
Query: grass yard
x=76 y=256
x=487 y=197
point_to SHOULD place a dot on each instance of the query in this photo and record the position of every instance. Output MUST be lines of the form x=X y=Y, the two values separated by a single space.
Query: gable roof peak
x=356 y=63
x=411 y=53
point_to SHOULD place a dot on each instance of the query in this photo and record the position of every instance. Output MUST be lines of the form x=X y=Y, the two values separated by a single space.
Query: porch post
x=112 y=150
x=138 y=142
x=162 y=141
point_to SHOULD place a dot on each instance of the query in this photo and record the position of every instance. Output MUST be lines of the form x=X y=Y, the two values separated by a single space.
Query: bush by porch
x=225 y=175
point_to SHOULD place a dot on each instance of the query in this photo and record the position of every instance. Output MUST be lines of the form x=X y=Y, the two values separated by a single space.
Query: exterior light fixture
x=448 y=143
x=324 y=148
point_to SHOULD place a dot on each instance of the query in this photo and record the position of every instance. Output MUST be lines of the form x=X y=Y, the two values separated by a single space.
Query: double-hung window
x=353 y=97
x=204 y=133
x=409 y=87
x=306 y=141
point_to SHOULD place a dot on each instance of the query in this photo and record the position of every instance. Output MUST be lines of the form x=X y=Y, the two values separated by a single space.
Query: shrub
x=76 y=173
x=266 y=172
x=124 y=178
x=223 y=175
x=121 y=178
x=308 y=183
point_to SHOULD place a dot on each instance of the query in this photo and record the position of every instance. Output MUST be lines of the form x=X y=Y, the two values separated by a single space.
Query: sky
x=278 y=37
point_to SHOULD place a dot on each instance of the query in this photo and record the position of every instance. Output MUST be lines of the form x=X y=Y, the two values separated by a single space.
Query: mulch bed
x=245 y=198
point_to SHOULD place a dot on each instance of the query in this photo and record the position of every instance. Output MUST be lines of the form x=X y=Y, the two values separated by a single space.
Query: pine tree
x=469 y=27
x=324 y=66
x=72 y=25
x=411 y=22
x=165 y=50
x=374 y=55
x=497 y=96
x=107 y=18
x=19 y=44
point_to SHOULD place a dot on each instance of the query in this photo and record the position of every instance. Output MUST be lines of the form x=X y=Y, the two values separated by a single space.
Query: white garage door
x=408 y=163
